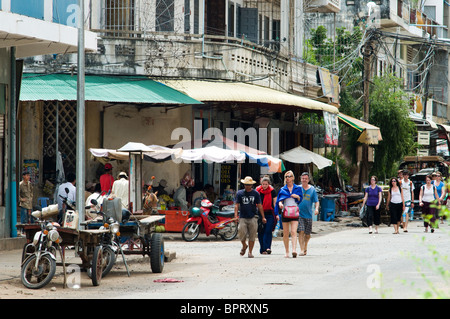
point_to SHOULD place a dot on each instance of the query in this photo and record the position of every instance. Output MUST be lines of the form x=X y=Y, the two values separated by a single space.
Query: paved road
x=341 y=265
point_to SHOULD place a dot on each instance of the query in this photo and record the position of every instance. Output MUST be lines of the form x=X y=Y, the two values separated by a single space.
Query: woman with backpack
x=428 y=194
x=395 y=203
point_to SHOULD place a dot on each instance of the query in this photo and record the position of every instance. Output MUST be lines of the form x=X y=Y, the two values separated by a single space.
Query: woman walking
x=428 y=193
x=289 y=196
x=372 y=198
x=268 y=198
x=395 y=203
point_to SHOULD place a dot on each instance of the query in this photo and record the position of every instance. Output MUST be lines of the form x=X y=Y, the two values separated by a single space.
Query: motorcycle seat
x=227 y=213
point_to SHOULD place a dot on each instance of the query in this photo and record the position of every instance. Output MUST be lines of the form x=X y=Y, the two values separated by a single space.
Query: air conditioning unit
x=324 y=6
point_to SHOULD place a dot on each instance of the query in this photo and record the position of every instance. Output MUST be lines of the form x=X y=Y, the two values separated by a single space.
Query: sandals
x=242 y=253
x=294 y=255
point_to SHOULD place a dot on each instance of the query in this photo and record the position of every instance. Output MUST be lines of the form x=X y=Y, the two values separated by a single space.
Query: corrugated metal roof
x=219 y=91
x=122 y=89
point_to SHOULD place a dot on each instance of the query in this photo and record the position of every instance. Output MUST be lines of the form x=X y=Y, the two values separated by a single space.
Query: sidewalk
x=12 y=243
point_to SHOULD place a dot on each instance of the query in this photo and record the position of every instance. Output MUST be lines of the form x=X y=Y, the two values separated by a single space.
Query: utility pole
x=80 y=165
x=364 y=164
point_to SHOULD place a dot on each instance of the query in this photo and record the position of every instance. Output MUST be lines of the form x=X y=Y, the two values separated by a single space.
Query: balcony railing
x=415 y=17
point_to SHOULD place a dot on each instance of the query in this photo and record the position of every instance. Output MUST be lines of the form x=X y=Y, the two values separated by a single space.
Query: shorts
x=248 y=226
x=305 y=225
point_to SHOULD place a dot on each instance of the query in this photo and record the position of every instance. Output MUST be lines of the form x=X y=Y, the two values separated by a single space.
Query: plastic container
x=328 y=207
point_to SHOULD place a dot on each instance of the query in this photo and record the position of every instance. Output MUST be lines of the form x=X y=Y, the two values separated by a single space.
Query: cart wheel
x=97 y=266
x=157 y=253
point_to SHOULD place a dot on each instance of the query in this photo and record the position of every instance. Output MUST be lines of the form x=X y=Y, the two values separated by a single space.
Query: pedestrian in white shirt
x=408 y=194
x=120 y=189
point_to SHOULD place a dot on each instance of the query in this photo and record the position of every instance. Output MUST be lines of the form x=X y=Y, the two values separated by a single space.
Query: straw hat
x=122 y=174
x=248 y=180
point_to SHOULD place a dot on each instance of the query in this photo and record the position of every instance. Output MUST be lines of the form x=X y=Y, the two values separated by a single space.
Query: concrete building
x=26 y=29
x=252 y=42
x=415 y=34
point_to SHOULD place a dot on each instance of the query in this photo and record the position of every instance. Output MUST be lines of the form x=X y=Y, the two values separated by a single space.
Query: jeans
x=265 y=232
x=25 y=216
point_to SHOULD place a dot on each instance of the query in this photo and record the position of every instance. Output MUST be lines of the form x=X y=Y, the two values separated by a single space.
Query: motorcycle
x=39 y=257
x=105 y=254
x=204 y=219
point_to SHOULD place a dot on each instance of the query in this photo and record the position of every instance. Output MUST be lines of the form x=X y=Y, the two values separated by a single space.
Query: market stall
x=176 y=215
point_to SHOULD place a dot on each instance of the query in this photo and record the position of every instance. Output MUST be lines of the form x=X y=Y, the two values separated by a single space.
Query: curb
x=12 y=243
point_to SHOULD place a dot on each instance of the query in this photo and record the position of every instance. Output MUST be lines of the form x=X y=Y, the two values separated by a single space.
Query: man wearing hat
x=247 y=204
x=107 y=180
x=120 y=189
x=160 y=188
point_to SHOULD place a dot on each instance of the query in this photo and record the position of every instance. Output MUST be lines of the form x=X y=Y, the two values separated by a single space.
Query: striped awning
x=370 y=134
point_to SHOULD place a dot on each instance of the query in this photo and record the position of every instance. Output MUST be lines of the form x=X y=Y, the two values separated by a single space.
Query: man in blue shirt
x=246 y=207
x=306 y=211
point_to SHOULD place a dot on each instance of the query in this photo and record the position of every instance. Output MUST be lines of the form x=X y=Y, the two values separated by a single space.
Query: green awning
x=119 y=89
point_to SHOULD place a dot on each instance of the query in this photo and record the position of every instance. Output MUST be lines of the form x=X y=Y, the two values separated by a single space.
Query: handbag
x=291 y=212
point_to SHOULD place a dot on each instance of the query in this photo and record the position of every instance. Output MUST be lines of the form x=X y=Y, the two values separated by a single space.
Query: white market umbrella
x=301 y=155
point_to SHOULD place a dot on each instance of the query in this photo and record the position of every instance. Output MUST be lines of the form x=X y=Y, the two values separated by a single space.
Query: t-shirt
x=120 y=189
x=438 y=187
x=106 y=182
x=305 y=206
x=247 y=203
x=372 y=197
x=407 y=187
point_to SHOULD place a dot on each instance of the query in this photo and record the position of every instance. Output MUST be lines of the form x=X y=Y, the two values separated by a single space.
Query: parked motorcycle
x=203 y=219
x=105 y=254
x=39 y=257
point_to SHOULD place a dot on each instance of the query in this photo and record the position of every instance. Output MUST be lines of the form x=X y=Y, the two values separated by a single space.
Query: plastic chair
x=43 y=201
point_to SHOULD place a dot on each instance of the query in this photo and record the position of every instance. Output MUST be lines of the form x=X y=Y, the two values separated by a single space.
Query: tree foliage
x=388 y=103
x=389 y=110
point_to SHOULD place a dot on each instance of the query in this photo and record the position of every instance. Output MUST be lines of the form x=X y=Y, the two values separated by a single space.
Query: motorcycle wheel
x=229 y=232
x=190 y=231
x=97 y=266
x=157 y=253
x=37 y=278
x=109 y=259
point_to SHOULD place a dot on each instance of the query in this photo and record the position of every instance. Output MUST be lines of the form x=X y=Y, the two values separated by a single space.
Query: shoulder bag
x=291 y=212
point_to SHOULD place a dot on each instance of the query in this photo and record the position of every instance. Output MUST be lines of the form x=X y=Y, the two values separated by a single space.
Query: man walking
x=408 y=194
x=245 y=208
x=26 y=199
x=305 y=219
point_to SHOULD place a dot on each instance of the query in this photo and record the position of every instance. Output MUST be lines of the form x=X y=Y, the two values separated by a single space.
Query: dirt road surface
x=343 y=262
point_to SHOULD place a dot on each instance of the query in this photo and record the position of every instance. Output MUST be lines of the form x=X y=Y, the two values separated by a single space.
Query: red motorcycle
x=204 y=219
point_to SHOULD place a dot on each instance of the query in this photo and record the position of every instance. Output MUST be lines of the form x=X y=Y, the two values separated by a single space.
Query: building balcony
x=192 y=56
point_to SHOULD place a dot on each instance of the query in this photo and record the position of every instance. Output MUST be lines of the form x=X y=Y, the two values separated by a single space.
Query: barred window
x=119 y=16
x=165 y=11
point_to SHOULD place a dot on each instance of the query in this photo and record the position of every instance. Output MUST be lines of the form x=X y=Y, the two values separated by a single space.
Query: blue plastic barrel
x=327 y=208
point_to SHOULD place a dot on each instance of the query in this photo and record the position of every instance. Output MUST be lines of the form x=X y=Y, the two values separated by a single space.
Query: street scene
x=343 y=262
x=224 y=150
